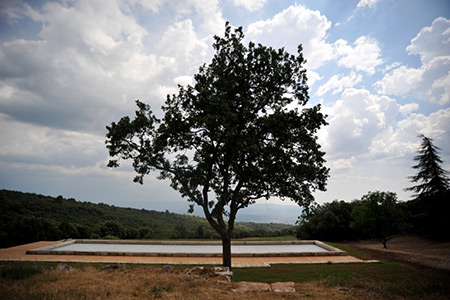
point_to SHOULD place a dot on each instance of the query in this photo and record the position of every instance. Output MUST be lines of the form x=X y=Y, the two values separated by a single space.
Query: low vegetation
x=386 y=280
x=30 y=217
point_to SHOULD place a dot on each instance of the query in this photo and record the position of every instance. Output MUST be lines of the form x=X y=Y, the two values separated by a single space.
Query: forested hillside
x=27 y=217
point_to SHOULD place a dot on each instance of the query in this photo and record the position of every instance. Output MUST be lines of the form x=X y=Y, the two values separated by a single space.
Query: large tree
x=379 y=216
x=431 y=179
x=242 y=132
x=430 y=206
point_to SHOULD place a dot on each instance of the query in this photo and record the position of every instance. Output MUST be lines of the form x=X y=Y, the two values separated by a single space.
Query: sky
x=379 y=68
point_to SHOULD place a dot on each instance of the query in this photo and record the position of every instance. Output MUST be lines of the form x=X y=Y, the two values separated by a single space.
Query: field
x=394 y=278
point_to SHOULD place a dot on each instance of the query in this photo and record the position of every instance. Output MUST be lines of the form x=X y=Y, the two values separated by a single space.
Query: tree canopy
x=431 y=178
x=429 y=209
x=328 y=222
x=379 y=216
x=242 y=132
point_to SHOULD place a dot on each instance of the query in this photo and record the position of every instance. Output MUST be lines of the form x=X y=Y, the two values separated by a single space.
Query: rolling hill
x=28 y=217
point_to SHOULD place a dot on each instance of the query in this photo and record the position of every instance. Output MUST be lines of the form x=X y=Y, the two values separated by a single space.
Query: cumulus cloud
x=206 y=14
x=342 y=163
x=298 y=24
x=89 y=64
x=84 y=69
x=313 y=77
x=250 y=5
x=356 y=119
x=432 y=41
x=403 y=140
x=367 y=3
x=337 y=83
x=293 y=26
x=152 y=5
x=181 y=42
x=408 y=108
x=363 y=125
x=431 y=80
x=400 y=81
x=46 y=146
x=80 y=72
x=363 y=55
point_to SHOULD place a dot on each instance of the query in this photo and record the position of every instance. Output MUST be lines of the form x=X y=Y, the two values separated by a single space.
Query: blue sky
x=380 y=69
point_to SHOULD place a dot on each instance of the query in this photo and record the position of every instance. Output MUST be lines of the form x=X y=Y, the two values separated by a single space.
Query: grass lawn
x=386 y=280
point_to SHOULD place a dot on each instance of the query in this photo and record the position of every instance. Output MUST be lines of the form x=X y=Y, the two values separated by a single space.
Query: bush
x=111 y=228
x=145 y=233
x=329 y=222
x=19 y=271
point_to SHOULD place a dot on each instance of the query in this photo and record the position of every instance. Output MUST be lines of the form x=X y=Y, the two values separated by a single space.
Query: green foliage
x=242 y=132
x=158 y=290
x=429 y=210
x=377 y=215
x=429 y=216
x=328 y=222
x=145 y=233
x=131 y=233
x=431 y=178
x=29 y=217
x=68 y=230
x=380 y=216
x=112 y=228
x=19 y=271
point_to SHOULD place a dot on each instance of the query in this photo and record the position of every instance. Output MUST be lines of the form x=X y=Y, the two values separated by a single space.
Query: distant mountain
x=270 y=213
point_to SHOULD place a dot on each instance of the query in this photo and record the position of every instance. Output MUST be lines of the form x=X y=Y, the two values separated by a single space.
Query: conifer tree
x=431 y=179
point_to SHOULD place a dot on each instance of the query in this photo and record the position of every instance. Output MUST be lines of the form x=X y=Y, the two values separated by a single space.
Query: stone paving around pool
x=19 y=253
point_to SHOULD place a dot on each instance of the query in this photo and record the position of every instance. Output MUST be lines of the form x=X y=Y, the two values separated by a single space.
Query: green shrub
x=19 y=271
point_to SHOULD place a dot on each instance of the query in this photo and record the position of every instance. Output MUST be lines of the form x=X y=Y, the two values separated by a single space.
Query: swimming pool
x=187 y=248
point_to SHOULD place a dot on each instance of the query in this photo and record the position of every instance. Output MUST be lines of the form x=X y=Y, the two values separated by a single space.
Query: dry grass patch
x=123 y=283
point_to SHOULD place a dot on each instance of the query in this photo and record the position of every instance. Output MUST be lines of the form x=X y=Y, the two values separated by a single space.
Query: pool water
x=182 y=248
x=177 y=248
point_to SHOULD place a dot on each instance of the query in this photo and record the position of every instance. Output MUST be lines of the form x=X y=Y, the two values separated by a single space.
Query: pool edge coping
x=49 y=250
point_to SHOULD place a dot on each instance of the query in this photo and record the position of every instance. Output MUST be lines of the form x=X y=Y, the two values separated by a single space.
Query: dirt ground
x=411 y=249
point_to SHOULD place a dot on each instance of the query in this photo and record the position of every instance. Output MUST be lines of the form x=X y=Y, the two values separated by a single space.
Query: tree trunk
x=226 y=251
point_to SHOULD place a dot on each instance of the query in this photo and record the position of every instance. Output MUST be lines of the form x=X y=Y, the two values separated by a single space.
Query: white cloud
x=82 y=73
x=47 y=146
x=342 y=163
x=367 y=148
x=312 y=77
x=364 y=55
x=354 y=121
x=206 y=14
x=440 y=90
x=408 y=108
x=367 y=3
x=180 y=41
x=184 y=80
x=400 y=81
x=432 y=42
x=293 y=26
x=250 y=5
x=337 y=83
x=403 y=140
x=391 y=66
x=431 y=80
x=152 y=5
